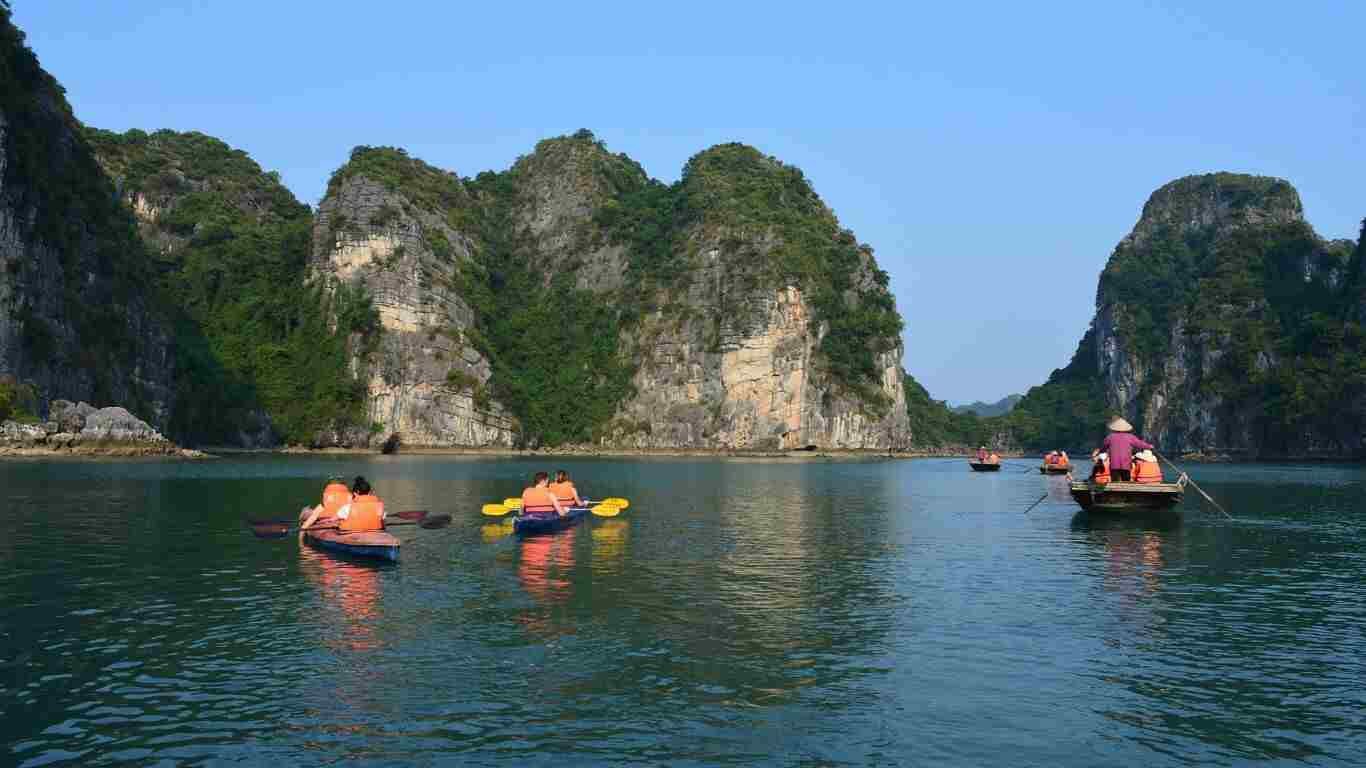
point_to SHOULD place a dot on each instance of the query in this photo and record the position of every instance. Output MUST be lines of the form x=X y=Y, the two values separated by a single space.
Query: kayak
x=375 y=545
x=539 y=522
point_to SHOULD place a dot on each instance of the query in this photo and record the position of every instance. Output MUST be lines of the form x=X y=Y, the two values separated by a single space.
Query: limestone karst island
x=357 y=406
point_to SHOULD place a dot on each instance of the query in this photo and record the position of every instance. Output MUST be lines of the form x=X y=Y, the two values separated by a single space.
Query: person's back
x=335 y=496
x=1146 y=468
x=538 y=499
x=564 y=490
x=1100 y=469
x=364 y=513
x=1062 y=458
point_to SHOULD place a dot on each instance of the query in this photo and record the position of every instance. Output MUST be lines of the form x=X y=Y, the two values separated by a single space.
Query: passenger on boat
x=1050 y=458
x=982 y=455
x=335 y=496
x=538 y=499
x=1100 y=467
x=1062 y=459
x=994 y=458
x=1121 y=444
x=365 y=512
x=565 y=491
x=1146 y=468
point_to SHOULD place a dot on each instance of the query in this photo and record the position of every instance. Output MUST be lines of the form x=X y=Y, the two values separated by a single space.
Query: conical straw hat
x=1118 y=424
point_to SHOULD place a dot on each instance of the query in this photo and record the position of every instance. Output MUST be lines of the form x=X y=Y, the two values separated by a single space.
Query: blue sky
x=992 y=155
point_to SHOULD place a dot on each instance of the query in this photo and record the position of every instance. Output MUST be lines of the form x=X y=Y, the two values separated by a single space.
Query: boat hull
x=536 y=523
x=1127 y=498
x=371 y=545
x=984 y=467
x=1047 y=470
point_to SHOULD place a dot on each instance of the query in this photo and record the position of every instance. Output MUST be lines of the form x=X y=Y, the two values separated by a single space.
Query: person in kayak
x=565 y=491
x=538 y=499
x=365 y=512
x=335 y=496
x=982 y=455
x=1121 y=444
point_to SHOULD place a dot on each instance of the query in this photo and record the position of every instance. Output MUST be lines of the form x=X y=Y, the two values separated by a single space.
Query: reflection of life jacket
x=366 y=514
x=536 y=499
x=565 y=492
x=335 y=496
x=1147 y=472
x=1100 y=473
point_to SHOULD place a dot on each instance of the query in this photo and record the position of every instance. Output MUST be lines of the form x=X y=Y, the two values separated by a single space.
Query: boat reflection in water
x=349 y=597
x=609 y=547
x=544 y=568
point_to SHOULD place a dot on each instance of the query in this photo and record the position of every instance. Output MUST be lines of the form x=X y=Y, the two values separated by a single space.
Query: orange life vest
x=1147 y=472
x=335 y=496
x=565 y=492
x=1100 y=473
x=536 y=499
x=367 y=514
x=1060 y=461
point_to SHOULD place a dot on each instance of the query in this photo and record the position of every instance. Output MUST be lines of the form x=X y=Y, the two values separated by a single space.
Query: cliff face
x=76 y=316
x=573 y=299
x=391 y=225
x=1224 y=325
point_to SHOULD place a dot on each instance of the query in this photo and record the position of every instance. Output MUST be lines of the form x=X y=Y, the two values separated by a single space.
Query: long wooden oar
x=1035 y=504
x=1194 y=485
x=274 y=529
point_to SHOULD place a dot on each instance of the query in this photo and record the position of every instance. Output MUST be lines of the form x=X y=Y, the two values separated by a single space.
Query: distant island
x=999 y=408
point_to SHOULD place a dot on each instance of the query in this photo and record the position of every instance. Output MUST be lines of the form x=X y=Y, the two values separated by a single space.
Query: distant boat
x=1121 y=497
x=985 y=466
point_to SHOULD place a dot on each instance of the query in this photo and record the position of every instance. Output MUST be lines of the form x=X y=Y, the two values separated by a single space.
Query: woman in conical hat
x=1121 y=444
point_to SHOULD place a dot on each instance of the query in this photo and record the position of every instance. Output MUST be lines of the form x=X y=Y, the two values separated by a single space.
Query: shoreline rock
x=79 y=429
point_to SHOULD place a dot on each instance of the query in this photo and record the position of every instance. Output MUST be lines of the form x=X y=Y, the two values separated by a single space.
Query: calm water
x=740 y=612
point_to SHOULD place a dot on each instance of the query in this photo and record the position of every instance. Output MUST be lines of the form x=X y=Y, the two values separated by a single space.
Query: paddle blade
x=435 y=521
x=414 y=514
x=617 y=502
x=269 y=530
x=512 y=503
x=495 y=510
x=606 y=510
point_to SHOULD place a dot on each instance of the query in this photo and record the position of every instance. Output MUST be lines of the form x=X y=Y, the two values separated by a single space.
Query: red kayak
x=376 y=545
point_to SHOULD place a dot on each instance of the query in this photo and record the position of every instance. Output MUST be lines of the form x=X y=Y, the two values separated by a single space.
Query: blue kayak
x=540 y=522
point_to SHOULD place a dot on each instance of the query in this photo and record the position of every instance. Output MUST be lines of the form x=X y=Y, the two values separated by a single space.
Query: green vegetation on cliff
x=935 y=425
x=50 y=171
x=1068 y=411
x=233 y=247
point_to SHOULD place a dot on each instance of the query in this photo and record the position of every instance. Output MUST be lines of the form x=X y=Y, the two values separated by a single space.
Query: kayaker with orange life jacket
x=1121 y=444
x=1146 y=469
x=365 y=512
x=1062 y=459
x=982 y=455
x=335 y=496
x=565 y=491
x=538 y=499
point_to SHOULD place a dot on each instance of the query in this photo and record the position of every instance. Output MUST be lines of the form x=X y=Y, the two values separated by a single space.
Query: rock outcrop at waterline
x=1224 y=326
x=79 y=429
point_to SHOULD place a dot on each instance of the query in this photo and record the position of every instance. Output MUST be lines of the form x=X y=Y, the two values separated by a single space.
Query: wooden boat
x=534 y=523
x=1123 y=497
x=1055 y=469
x=984 y=466
x=374 y=545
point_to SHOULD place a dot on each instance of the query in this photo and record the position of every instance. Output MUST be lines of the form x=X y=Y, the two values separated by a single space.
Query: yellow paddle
x=617 y=501
x=605 y=510
x=495 y=510
x=514 y=503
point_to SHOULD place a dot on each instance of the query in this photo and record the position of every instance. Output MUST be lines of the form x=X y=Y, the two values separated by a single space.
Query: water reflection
x=348 y=597
x=545 y=566
x=609 y=547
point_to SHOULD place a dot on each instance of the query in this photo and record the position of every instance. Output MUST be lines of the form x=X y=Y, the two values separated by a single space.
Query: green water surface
x=744 y=612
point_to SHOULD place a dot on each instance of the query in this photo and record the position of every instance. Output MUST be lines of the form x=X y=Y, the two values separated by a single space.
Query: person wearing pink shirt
x=1121 y=444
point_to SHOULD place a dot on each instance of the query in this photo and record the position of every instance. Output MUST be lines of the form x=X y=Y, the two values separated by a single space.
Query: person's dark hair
x=539 y=477
x=561 y=476
x=360 y=487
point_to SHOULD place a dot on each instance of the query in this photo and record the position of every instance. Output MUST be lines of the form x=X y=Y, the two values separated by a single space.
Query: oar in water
x=1035 y=504
x=1194 y=485
x=274 y=529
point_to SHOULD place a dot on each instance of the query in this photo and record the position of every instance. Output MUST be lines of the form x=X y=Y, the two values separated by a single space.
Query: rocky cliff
x=1223 y=325
x=396 y=227
x=574 y=299
x=77 y=316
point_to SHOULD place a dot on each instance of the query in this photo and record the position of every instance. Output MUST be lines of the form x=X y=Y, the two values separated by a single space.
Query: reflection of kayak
x=984 y=466
x=537 y=522
x=376 y=545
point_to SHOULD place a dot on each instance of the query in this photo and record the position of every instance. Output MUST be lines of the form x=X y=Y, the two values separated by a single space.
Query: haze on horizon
x=992 y=159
